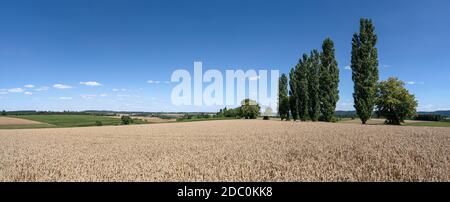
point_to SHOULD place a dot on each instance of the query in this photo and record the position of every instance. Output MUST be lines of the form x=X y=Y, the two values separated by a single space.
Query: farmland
x=227 y=150
x=430 y=123
x=49 y=121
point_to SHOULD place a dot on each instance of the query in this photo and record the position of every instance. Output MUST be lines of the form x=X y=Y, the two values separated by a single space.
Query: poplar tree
x=329 y=81
x=283 y=101
x=313 y=86
x=364 y=66
x=302 y=87
x=293 y=106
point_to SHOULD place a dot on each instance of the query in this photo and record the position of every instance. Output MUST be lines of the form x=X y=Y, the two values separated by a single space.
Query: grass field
x=232 y=150
x=407 y=122
x=430 y=124
x=59 y=121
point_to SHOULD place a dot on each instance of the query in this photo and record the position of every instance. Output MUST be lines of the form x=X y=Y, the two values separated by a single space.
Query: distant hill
x=340 y=113
x=440 y=112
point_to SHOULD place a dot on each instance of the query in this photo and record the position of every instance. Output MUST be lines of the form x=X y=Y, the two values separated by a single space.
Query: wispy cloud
x=414 y=82
x=65 y=98
x=29 y=86
x=43 y=88
x=103 y=95
x=28 y=93
x=347 y=67
x=88 y=96
x=61 y=86
x=117 y=90
x=16 y=90
x=153 y=82
x=91 y=83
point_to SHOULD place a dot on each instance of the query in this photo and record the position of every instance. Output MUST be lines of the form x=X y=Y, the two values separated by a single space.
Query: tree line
x=313 y=84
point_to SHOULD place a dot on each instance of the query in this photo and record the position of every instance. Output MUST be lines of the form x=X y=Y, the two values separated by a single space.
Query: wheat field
x=232 y=150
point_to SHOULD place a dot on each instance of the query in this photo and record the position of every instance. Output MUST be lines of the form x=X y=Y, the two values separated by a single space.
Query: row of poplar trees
x=313 y=86
x=314 y=81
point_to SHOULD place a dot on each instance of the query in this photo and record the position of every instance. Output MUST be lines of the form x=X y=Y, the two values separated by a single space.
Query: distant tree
x=364 y=66
x=249 y=109
x=230 y=112
x=329 y=81
x=3 y=113
x=283 y=101
x=302 y=96
x=126 y=120
x=313 y=86
x=394 y=101
x=268 y=111
x=98 y=123
x=293 y=104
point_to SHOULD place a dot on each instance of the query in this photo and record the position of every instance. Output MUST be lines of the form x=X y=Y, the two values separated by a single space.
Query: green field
x=430 y=124
x=61 y=121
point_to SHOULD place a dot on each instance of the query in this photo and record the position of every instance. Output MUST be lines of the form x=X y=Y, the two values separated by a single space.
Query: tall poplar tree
x=283 y=101
x=329 y=81
x=313 y=86
x=293 y=106
x=364 y=66
x=302 y=87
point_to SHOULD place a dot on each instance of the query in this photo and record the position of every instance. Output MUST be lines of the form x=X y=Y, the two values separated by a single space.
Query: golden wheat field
x=232 y=150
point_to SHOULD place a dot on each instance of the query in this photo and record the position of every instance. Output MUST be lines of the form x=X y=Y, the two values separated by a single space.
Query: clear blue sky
x=123 y=44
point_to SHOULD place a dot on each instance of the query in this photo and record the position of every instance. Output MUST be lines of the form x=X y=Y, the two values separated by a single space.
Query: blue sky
x=121 y=45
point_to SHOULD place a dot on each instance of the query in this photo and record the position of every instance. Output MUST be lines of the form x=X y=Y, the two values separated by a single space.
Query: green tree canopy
x=364 y=66
x=329 y=81
x=302 y=72
x=293 y=104
x=249 y=109
x=283 y=101
x=313 y=86
x=394 y=101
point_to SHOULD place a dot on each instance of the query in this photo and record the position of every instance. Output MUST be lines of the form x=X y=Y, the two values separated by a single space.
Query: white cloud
x=347 y=67
x=29 y=86
x=16 y=90
x=88 y=96
x=117 y=90
x=43 y=88
x=3 y=92
x=91 y=83
x=103 y=95
x=65 y=98
x=153 y=82
x=28 y=93
x=414 y=82
x=61 y=86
